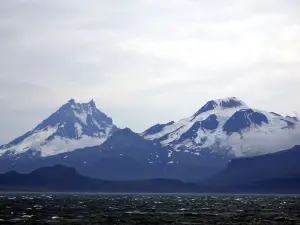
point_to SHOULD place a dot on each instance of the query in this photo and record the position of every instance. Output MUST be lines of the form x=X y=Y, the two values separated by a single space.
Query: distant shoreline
x=146 y=194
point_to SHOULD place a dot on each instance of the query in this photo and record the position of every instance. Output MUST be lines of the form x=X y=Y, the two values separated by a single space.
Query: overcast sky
x=145 y=61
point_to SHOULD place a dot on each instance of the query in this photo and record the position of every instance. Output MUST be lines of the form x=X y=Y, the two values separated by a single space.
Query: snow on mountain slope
x=73 y=126
x=228 y=126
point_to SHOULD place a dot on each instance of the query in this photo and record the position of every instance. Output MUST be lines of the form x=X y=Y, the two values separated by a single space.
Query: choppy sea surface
x=147 y=209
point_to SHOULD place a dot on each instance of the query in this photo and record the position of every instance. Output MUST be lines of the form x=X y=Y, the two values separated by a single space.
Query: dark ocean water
x=147 y=209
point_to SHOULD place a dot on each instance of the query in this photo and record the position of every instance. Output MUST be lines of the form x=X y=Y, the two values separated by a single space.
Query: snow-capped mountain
x=73 y=126
x=81 y=136
x=228 y=127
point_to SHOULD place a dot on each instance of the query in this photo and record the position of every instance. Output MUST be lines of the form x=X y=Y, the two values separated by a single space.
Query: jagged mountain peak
x=73 y=101
x=74 y=125
x=73 y=104
x=78 y=115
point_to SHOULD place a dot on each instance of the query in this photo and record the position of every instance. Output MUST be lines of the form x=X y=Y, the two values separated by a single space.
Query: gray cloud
x=145 y=61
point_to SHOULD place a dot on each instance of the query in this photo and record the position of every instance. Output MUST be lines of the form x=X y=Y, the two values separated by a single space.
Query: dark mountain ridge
x=118 y=159
x=65 y=179
x=279 y=165
x=61 y=178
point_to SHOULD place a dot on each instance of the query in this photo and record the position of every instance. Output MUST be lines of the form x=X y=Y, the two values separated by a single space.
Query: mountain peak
x=222 y=103
x=92 y=103
x=74 y=125
x=125 y=132
x=73 y=106
x=72 y=101
x=230 y=102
